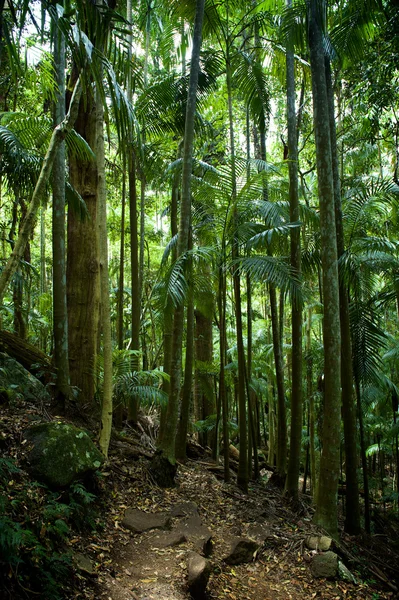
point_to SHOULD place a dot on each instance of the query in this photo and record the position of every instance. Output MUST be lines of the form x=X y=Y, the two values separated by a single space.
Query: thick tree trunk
x=326 y=509
x=83 y=293
x=28 y=224
x=296 y=389
x=352 y=515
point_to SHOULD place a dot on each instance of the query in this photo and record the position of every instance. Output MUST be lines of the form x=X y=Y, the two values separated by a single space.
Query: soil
x=128 y=566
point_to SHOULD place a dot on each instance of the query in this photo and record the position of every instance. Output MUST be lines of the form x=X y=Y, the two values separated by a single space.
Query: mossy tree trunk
x=326 y=506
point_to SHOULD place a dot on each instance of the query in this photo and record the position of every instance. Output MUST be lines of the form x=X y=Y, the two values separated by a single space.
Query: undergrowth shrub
x=35 y=524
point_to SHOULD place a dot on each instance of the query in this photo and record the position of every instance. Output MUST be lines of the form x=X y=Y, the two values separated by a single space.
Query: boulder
x=139 y=521
x=198 y=575
x=242 y=551
x=61 y=453
x=325 y=565
x=16 y=380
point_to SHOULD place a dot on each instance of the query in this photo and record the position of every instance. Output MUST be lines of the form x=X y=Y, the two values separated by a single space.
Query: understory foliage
x=35 y=526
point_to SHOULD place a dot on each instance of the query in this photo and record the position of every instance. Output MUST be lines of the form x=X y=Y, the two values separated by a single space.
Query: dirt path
x=153 y=565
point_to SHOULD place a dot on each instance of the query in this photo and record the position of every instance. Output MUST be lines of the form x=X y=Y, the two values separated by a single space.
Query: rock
x=84 y=564
x=169 y=540
x=325 y=565
x=184 y=509
x=345 y=574
x=198 y=575
x=61 y=453
x=242 y=551
x=318 y=542
x=197 y=533
x=139 y=521
x=16 y=380
x=258 y=532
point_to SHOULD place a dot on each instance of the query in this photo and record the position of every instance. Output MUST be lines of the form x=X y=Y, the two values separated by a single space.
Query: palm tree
x=167 y=445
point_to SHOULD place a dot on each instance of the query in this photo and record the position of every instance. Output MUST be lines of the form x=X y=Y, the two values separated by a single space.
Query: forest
x=198 y=270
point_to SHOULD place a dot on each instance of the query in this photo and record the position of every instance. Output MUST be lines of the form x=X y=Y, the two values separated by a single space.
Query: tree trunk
x=296 y=390
x=352 y=515
x=242 y=475
x=326 y=509
x=60 y=313
x=106 y=405
x=83 y=293
x=181 y=439
x=133 y=406
x=167 y=446
x=28 y=224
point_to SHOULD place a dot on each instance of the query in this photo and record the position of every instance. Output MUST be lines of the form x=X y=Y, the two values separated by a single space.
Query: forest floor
x=153 y=565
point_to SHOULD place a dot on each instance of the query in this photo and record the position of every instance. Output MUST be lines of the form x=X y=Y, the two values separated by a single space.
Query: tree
x=167 y=445
x=326 y=505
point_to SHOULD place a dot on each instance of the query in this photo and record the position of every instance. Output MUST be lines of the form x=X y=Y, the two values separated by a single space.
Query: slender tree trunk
x=367 y=520
x=167 y=445
x=281 y=447
x=181 y=439
x=326 y=509
x=223 y=400
x=352 y=515
x=120 y=323
x=168 y=316
x=309 y=391
x=60 y=313
x=106 y=406
x=28 y=224
x=242 y=475
x=296 y=390
x=135 y=285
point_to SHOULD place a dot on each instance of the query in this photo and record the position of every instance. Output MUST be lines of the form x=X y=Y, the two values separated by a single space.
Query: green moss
x=61 y=453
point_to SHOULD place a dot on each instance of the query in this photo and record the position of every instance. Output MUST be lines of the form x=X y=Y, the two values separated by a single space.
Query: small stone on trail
x=325 y=565
x=139 y=521
x=84 y=564
x=169 y=540
x=258 y=532
x=242 y=551
x=184 y=509
x=198 y=575
x=197 y=533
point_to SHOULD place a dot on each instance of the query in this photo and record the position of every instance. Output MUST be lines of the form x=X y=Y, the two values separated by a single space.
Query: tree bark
x=296 y=309
x=60 y=312
x=58 y=135
x=83 y=293
x=167 y=445
x=326 y=508
x=352 y=515
x=106 y=406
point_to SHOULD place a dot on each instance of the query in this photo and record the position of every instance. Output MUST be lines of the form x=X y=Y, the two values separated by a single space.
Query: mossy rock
x=19 y=382
x=61 y=453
